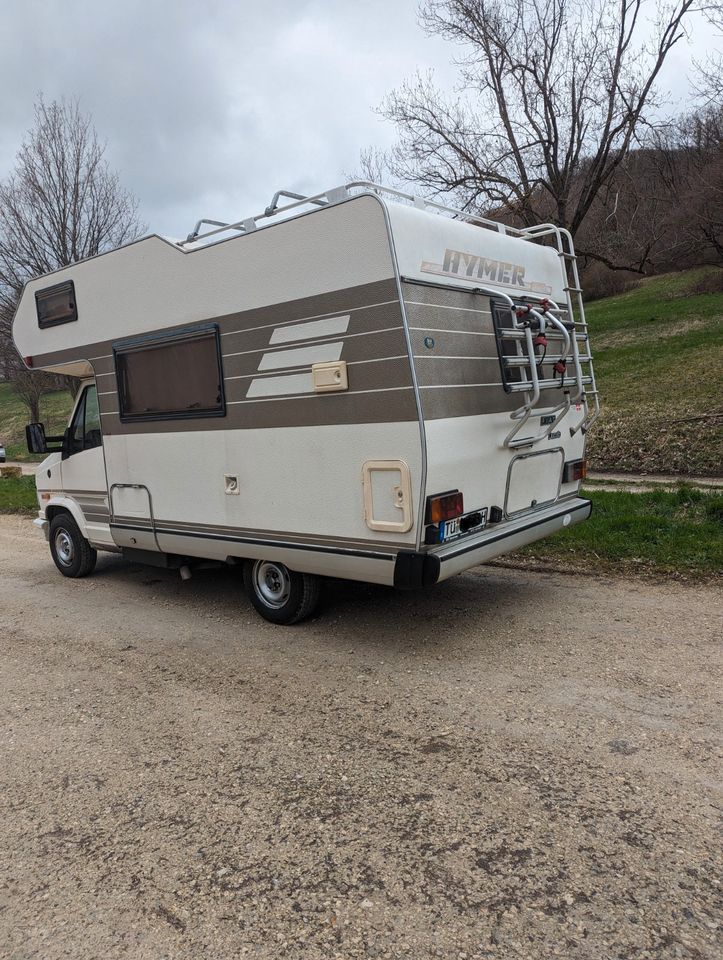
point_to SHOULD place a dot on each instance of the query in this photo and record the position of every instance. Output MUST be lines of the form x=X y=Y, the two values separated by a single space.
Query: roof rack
x=343 y=192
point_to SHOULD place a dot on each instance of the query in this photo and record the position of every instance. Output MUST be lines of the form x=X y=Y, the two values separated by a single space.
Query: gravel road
x=514 y=765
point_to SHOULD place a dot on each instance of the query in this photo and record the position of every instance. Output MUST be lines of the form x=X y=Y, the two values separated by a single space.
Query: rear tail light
x=444 y=506
x=574 y=471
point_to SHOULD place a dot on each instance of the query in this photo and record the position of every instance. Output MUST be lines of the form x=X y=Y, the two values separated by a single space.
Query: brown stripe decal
x=164 y=526
x=388 y=406
x=340 y=301
x=455 y=353
x=267 y=356
x=361 y=325
x=279 y=537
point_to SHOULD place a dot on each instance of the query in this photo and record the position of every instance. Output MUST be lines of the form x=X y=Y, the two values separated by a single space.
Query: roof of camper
x=277 y=211
x=404 y=238
x=426 y=234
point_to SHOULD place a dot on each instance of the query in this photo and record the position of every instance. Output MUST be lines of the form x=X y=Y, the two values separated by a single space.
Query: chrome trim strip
x=266 y=543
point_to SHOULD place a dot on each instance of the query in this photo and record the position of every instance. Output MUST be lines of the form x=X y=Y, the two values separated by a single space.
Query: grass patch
x=18 y=496
x=54 y=412
x=657 y=351
x=667 y=532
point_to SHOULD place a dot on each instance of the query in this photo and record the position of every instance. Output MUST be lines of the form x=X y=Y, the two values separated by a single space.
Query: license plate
x=451 y=529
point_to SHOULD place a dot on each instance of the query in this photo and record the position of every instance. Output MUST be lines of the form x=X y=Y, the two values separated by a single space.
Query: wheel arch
x=60 y=505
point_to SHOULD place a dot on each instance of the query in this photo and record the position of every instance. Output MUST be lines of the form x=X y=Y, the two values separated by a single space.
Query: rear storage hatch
x=533 y=480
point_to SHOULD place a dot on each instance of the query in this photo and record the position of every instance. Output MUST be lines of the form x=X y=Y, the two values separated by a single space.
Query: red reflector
x=445 y=506
x=574 y=471
x=28 y=361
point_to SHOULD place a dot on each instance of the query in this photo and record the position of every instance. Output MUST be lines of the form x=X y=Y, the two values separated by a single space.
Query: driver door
x=83 y=465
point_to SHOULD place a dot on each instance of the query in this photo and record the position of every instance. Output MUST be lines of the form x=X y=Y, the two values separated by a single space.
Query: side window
x=77 y=426
x=169 y=377
x=85 y=430
x=56 y=305
x=92 y=436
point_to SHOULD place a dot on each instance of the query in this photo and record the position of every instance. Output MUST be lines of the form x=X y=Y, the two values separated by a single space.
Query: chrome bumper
x=414 y=569
x=490 y=544
x=42 y=524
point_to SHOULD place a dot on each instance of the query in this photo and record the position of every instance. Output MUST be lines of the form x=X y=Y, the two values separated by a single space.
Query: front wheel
x=280 y=595
x=72 y=553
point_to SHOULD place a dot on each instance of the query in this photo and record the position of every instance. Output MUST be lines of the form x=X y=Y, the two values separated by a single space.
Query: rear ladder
x=546 y=348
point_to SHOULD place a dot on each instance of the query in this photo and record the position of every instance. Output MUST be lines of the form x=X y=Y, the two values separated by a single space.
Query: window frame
x=80 y=410
x=49 y=291
x=123 y=348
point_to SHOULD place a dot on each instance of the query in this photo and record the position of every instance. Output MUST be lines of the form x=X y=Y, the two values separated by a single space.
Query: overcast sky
x=209 y=106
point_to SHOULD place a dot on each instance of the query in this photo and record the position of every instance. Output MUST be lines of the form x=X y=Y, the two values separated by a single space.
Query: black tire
x=280 y=595
x=71 y=552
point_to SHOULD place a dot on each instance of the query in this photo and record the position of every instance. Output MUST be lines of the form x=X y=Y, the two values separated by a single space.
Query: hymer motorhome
x=359 y=384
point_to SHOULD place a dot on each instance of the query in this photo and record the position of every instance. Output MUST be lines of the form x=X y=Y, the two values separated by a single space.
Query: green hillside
x=658 y=353
x=54 y=412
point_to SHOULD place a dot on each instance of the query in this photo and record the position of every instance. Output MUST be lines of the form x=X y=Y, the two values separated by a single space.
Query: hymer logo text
x=496 y=271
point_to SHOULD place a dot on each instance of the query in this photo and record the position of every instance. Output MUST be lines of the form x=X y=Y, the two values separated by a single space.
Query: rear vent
x=56 y=305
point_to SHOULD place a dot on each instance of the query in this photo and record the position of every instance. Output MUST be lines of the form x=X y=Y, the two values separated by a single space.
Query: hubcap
x=272 y=583
x=64 y=547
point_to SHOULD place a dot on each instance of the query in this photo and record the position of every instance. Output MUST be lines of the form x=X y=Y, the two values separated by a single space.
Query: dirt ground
x=514 y=765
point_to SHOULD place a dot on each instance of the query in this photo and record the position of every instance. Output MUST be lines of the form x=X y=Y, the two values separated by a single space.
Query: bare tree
x=551 y=97
x=60 y=204
x=30 y=387
x=374 y=166
x=663 y=208
x=709 y=83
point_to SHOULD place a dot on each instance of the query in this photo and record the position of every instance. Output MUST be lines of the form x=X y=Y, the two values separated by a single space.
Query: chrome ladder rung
x=526 y=386
x=518 y=334
x=526 y=362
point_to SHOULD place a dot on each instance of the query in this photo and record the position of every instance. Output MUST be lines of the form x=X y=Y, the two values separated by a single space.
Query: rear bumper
x=413 y=570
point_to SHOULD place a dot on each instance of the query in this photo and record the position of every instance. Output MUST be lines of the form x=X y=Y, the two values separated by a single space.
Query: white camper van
x=359 y=384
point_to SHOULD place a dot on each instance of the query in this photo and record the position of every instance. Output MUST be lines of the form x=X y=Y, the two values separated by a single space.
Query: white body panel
x=486 y=258
x=306 y=480
x=466 y=453
x=154 y=283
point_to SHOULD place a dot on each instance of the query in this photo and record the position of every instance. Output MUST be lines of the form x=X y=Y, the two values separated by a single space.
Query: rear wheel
x=280 y=595
x=72 y=553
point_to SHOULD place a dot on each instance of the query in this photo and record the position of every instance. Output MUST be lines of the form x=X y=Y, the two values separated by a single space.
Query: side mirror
x=37 y=441
x=35 y=438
